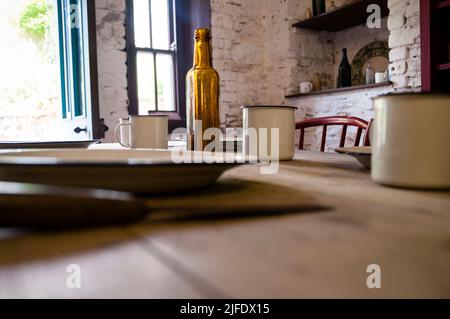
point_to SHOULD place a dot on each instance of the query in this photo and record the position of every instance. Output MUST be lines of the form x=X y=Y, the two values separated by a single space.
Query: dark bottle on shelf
x=318 y=7
x=345 y=71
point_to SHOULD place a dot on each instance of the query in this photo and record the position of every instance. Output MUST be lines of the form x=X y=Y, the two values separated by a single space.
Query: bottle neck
x=344 y=54
x=202 y=54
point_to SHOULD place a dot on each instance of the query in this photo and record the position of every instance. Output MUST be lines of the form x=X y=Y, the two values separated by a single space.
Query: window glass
x=146 y=82
x=142 y=23
x=160 y=24
x=165 y=76
x=44 y=77
x=30 y=81
x=153 y=34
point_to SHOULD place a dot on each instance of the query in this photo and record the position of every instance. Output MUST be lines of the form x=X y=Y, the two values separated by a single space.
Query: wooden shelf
x=441 y=5
x=443 y=67
x=344 y=17
x=351 y=88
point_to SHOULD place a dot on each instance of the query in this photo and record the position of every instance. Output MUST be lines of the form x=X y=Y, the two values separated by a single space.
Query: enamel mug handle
x=117 y=134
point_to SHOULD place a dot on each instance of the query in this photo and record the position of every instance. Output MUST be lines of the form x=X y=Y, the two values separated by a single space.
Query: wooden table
x=321 y=253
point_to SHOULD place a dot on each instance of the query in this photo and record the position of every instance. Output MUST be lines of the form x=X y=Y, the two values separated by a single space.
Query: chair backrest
x=344 y=121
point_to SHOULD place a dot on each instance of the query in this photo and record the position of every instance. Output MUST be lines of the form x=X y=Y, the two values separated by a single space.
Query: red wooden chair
x=344 y=121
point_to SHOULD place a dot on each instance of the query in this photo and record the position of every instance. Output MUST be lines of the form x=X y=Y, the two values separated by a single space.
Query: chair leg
x=324 y=138
x=358 y=136
x=367 y=137
x=302 y=139
x=343 y=136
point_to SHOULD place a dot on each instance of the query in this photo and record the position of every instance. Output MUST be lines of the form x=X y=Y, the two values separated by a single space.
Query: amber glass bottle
x=202 y=90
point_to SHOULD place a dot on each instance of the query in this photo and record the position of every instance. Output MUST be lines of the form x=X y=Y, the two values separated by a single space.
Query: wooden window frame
x=187 y=16
x=98 y=124
x=425 y=41
x=76 y=107
x=434 y=39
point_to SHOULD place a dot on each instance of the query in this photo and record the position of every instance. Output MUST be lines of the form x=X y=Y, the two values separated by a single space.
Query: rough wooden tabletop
x=313 y=253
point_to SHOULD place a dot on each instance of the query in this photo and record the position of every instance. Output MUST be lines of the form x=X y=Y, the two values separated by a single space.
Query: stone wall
x=111 y=46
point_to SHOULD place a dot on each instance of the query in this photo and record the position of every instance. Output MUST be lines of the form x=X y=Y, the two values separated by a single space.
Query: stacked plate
x=138 y=171
x=362 y=153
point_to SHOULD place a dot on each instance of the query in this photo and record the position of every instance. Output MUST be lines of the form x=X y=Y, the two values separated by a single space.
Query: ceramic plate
x=377 y=53
x=362 y=153
x=139 y=171
x=35 y=145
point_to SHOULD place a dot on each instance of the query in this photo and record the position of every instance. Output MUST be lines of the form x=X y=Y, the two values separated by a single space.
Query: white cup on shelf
x=306 y=87
x=379 y=77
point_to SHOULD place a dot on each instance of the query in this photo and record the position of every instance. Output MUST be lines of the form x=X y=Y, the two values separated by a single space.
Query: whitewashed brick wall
x=282 y=56
x=354 y=103
x=404 y=41
x=237 y=43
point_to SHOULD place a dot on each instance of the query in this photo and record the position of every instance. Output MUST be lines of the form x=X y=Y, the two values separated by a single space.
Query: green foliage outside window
x=35 y=21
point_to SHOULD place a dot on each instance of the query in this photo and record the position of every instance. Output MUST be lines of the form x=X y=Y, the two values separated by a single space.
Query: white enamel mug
x=411 y=141
x=306 y=87
x=260 y=119
x=148 y=131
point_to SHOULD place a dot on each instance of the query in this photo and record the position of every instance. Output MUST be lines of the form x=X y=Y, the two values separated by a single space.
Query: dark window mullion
x=83 y=85
x=171 y=22
x=133 y=107
x=76 y=51
x=173 y=48
x=175 y=89
x=155 y=50
x=155 y=73
x=62 y=57
x=150 y=21
x=69 y=61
